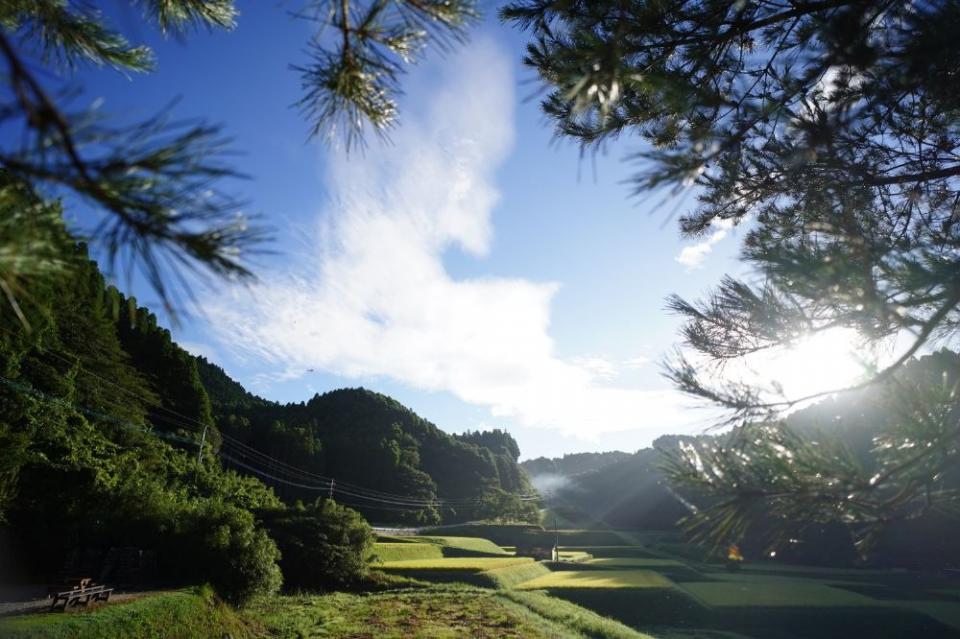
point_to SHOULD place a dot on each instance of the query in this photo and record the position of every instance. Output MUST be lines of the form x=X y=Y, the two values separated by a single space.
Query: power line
x=196 y=426
x=326 y=483
x=278 y=465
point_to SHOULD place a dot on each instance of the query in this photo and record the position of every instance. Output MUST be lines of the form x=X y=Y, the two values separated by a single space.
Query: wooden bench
x=80 y=597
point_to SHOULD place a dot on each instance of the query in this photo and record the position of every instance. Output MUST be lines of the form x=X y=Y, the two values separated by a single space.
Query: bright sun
x=830 y=360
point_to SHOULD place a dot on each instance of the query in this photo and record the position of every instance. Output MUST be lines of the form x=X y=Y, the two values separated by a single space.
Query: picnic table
x=82 y=592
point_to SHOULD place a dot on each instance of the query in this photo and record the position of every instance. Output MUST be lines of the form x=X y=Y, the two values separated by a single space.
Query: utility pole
x=332 y=482
x=203 y=440
x=556 y=544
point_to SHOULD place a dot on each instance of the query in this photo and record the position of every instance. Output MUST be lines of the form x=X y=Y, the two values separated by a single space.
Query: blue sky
x=475 y=270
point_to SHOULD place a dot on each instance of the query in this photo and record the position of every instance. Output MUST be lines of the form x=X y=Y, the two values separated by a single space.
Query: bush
x=221 y=544
x=323 y=545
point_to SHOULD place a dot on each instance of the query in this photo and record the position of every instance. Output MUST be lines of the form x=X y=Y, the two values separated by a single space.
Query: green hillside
x=114 y=437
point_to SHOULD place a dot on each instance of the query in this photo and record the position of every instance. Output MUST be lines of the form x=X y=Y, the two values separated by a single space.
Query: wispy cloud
x=693 y=256
x=375 y=298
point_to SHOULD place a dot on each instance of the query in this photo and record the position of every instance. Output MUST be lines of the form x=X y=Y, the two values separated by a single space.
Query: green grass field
x=394 y=551
x=464 y=546
x=181 y=615
x=455 y=563
x=462 y=586
x=525 y=534
x=394 y=548
x=633 y=562
x=511 y=576
x=476 y=571
x=780 y=594
x=617 y=551
x=598 y=579
x=440 y=612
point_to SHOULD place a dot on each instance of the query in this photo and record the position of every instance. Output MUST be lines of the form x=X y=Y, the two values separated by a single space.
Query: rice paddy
x=673 y=590
x=453 y=586
x=455 y=563
x=633 y=562
x=781 y=594
x=598 y=579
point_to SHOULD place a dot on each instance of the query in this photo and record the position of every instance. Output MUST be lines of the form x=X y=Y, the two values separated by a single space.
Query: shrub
x=323 y=545
x=221 y=544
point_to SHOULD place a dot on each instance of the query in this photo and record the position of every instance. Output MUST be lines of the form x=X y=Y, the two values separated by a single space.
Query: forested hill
x=573 y=463
x=366 y=440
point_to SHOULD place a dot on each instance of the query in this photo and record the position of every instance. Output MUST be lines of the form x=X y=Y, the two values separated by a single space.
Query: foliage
x=101 y=415
x=832 y=127
x=323 y=545
x=158 y=184
x=572 y=463
x=353 y=82
x=412 y=472
x=599 y=499
x=185 y=614
x=882 y=460
x=221 y=544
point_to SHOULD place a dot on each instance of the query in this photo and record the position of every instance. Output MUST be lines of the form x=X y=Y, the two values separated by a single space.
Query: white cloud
x=375 y=299
x=693 y=256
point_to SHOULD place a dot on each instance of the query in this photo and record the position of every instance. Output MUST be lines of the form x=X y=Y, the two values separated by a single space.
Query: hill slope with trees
x=364 y=439
x=114 y=443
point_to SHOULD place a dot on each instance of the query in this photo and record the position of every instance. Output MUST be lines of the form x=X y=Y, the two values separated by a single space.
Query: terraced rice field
x=668 y=589
x=780 y=594
x=598 y=579
x=455 y=563
x=634 y=562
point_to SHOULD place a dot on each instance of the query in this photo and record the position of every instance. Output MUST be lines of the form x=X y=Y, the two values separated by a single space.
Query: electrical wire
x=277 y=465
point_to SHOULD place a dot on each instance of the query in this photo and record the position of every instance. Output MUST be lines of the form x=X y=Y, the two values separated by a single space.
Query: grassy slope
x=633 y=562
x=405 y=551
x=173 y=615
x=434 y=547
x=467 y=570
x=455 y=563
x=513 y=535
x=435 y=613
x=776 y=594
x=465 y=546
x=516 y=574
x=599 y=579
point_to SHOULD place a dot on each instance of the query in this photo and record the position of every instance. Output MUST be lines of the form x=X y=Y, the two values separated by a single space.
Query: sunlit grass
x=405 y=551
x=511 y=576
x=635 y=562
x=598 y=579
x=186 y=614
x=469 y=544
x=440 y=612
x=455 y=563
